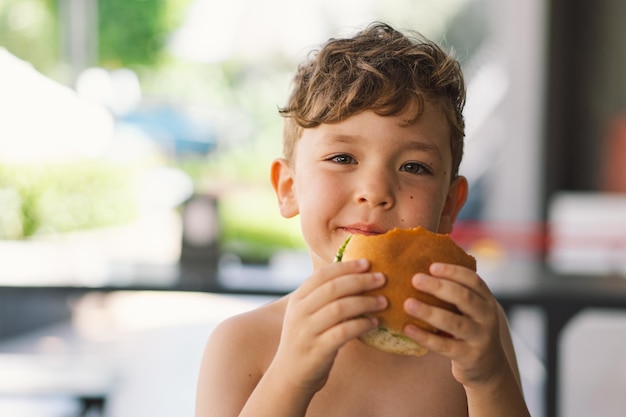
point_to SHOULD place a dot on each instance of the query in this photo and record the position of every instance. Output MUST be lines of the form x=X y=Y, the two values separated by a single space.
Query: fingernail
x=419 y=279
x=411 y=304
x=436 y=267
x=381 y=300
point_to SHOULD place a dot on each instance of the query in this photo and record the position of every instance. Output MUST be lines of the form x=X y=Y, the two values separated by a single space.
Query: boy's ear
x=283 y=184
x=457 y=195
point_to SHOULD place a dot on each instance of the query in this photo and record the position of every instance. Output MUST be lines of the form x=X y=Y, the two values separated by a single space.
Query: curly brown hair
x=379 y=69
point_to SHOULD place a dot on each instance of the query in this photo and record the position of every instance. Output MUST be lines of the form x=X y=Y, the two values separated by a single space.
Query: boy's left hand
x=475 y=348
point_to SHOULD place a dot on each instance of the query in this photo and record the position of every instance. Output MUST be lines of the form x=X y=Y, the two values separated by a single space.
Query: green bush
x=57 y=198
x=252 y=227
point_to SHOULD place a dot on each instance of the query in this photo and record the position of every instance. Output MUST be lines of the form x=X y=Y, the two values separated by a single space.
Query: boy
x=373 y=140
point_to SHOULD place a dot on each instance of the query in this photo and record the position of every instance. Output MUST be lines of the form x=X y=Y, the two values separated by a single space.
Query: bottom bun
x=382 y=339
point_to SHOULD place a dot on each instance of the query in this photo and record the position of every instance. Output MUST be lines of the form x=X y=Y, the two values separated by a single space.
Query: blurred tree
x=28 y=30
x=131 y=32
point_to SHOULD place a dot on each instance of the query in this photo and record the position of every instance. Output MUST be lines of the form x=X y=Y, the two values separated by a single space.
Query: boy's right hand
x=322 y=315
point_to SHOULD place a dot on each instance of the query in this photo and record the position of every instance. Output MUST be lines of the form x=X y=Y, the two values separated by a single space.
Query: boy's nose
x=376 y=191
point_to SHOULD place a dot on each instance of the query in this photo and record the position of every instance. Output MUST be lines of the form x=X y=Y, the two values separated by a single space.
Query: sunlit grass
x=57 y=198
x=253 y=228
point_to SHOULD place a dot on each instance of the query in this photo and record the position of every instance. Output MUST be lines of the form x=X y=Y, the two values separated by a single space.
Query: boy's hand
x=323 y=314
x=475 y=348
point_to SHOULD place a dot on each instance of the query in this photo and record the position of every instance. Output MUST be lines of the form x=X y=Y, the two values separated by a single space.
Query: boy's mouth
x=363 y=229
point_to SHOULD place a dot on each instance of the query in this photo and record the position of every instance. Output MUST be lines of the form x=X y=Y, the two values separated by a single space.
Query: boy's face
x=369 y=174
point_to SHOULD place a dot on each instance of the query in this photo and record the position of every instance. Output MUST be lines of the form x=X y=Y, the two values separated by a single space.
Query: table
x=528 y=283
x=561 y=297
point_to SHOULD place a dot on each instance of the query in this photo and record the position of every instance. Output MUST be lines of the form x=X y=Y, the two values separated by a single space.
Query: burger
x=400 y=254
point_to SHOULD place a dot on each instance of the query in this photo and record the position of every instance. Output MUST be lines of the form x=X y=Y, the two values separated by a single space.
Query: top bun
x=400 y=254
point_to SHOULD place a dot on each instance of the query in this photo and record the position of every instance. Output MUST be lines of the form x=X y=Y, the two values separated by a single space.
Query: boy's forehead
x=428 y=116
x=429 y=111
x=428 y=133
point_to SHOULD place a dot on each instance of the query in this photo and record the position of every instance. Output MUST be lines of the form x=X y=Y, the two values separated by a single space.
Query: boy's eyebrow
x=341 y=138
x=416 y=145
x=425 y=147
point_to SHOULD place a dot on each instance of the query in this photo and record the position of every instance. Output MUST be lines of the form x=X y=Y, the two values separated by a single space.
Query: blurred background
x=135 y=204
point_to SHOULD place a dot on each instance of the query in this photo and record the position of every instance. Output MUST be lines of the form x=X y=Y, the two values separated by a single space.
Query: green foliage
x=42 y=199
x=252 y=227
x=131 y=32
x=28 y=29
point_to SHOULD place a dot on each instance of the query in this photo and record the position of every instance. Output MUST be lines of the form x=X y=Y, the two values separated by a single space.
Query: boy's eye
x=414 y=168
x=342 y=159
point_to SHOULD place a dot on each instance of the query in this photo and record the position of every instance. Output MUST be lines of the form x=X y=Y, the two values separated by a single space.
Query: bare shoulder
x=230 y=368
x=260 y=328
x=248 y=328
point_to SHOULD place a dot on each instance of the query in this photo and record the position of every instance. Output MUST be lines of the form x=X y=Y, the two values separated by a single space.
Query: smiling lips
x=363 y=229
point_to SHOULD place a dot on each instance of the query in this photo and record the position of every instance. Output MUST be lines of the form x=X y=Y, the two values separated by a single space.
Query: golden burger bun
x=400 y=254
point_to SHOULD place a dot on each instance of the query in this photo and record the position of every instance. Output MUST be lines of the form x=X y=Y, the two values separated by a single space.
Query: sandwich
x=400 y=254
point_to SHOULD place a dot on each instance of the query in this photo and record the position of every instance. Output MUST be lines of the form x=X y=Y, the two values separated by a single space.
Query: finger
x=346 y=309
x=339 y=299
x=343 y=286
x=466 y=299
x=347 y=330
x=456 y=325
x=443 y=345
x=329 y=272
x=464 y=276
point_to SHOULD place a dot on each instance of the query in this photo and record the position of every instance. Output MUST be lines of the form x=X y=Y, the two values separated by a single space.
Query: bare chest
x=372 y=384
